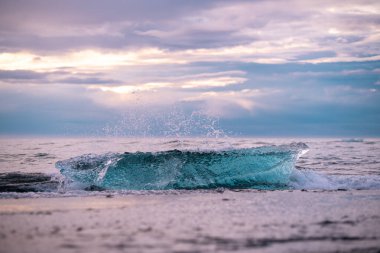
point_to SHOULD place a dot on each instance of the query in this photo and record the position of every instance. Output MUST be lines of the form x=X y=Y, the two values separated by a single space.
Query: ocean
x=191 y=194
x=166 y=163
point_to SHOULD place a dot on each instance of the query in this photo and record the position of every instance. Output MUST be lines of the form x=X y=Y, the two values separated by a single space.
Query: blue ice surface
x=266 y=167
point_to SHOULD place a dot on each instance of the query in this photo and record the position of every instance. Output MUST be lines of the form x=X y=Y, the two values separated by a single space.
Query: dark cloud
x=21 y=75
x=90 y=80
x=316 y=55
x=49 y=25
x=44 y=25
x=205 y=39
x=21 y=41
x=18 y=12
x=55 y=77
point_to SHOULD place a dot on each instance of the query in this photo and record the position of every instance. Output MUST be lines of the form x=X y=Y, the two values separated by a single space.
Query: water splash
x=174 y=122
x=312 y=180
x=267 y=167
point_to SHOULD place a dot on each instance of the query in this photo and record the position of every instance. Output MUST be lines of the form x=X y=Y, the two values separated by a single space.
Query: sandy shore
x=247 y=221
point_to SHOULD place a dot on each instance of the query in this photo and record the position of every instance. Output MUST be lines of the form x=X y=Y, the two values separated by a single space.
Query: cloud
x=271 y=101
x=248 y=31
x=20 y=75
x=88 y=80
x=169 y=90
x=87 y=60
x=189 y=82
x=258 y=62
x=54 y=77
x=229 y=104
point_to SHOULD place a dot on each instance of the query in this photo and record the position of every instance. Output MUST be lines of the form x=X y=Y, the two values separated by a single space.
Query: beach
x=194 y=221
x=99 y=195
x=173 y=126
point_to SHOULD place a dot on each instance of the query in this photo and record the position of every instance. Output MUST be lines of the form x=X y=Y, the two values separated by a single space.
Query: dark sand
x=246 y=221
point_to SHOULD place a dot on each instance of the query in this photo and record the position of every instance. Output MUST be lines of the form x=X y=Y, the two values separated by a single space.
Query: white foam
x=308 y=179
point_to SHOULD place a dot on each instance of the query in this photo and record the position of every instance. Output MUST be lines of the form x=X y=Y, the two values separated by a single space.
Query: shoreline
x=267 y=221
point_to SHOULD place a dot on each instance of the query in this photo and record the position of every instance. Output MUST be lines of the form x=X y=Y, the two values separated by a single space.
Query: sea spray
x=173 y=122
x=312 y=180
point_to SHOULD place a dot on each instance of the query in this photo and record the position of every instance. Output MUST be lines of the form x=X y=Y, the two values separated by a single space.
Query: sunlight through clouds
x=247 y=60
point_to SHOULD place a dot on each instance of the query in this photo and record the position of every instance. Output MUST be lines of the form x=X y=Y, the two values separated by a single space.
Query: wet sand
x=245 y=221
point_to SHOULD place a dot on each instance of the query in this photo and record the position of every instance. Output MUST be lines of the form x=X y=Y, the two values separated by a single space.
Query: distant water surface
x=329 y=164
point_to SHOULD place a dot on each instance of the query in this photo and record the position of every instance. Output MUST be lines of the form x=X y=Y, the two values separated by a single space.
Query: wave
x=267 y=167
x=353 y=140
x=28 y=182
x=312 y=180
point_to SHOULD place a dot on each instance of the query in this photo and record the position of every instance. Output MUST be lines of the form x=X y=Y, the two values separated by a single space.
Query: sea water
x=119 y=194
x=62 y=165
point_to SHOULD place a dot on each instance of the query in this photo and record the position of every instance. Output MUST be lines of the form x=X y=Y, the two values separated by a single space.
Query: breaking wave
x=312 y=180
x=267 y=167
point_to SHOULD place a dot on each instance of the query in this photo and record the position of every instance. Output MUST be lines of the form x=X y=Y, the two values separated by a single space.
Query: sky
x=178 y=67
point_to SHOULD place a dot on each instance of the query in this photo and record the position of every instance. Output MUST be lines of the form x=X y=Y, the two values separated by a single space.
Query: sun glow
x=84 y=60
